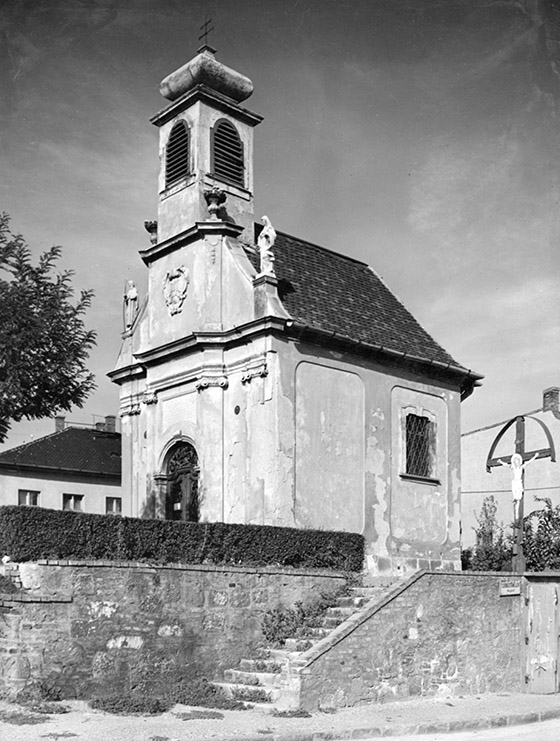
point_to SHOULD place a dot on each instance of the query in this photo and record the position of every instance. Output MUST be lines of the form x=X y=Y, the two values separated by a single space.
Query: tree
x=493 y=551
x=43 y=342
x=542 y=537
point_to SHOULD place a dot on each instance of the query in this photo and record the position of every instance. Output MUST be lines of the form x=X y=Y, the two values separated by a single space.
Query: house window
x=177 y=154
x=28 y=498
x=72 y=501
x=113 y=505
x=419 y=446
x=227 y=153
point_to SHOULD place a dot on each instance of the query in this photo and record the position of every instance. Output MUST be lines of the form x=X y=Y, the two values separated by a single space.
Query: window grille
x=72 y=501
x=28 y=498
x=419 y=445
x=177 y=154
x=113 y=505
x=227 y=153
x=182 y=484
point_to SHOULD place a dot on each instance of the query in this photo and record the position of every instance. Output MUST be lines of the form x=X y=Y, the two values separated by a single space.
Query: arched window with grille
x=177 y=154
x=227 y=153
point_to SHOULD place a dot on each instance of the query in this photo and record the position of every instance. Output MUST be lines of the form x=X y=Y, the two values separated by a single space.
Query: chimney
x=59 y=423
x=551 y=399
x=110 y=423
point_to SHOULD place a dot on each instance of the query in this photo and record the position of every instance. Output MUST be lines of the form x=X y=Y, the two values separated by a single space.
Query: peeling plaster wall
x=344 y=414
x=302 y=436
x=329 y=448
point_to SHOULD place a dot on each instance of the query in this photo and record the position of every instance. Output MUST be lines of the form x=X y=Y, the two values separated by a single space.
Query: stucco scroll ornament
x=130 y=304
x=150 y=397
x=206 y=381
x=131 y=410
x=257 y=372
x=266 y=240
x=175 y=286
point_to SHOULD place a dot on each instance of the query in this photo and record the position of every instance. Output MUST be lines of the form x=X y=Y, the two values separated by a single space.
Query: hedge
x=32 y=533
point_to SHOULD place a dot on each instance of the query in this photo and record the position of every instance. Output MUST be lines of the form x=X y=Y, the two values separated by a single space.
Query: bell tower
x=205 y=142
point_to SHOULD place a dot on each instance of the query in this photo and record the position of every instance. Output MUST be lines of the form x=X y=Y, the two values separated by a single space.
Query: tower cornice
x=210 y=97
x=199 y=230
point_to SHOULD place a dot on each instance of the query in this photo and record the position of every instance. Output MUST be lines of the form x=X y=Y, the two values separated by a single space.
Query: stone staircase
x=264 y=681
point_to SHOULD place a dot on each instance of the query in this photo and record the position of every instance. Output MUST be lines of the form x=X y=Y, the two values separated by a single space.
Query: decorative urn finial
x=151 y=228
x=215 y=198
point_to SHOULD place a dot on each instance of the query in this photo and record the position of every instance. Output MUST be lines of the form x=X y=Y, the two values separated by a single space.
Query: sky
x=420 y=136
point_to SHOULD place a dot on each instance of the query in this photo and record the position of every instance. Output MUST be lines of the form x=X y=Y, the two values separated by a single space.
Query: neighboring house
x=74 y=468
x=269 y=380
x=542 y=476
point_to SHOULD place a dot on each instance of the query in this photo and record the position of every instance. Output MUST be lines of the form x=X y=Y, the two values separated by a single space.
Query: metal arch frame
x=541 y=453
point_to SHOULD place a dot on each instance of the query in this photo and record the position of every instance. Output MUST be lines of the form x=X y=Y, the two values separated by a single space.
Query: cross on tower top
x=206 y=28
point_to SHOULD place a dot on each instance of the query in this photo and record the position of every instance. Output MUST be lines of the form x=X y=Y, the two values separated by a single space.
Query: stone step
x=330 y=622
x=368 y=592
x=384 y=582
x=353 y=602
x=341 y=611
x=315 y=634
x=298 y=645
x=281 y=655
x=249 y=694
x=266 y=680
x=260 y=665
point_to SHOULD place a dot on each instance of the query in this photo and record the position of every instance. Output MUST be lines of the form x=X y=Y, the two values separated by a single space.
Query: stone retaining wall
x=90 y=628
x=435 y=633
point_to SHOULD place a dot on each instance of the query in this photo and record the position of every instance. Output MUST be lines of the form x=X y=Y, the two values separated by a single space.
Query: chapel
x=268 y=380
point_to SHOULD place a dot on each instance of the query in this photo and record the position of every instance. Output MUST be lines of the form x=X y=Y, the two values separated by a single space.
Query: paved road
x=547 y=731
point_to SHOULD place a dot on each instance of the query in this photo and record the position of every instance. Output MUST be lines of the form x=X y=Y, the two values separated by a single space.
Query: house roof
x=76 y=450
x=333 y=293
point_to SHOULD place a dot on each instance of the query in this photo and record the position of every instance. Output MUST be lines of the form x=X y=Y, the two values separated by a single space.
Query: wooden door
x=542 y=637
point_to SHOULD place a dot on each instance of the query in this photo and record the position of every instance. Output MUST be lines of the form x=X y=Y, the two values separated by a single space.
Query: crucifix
x=206 y=28
x=518 y=461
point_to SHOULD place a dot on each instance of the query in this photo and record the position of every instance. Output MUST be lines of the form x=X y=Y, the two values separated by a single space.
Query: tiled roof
x=330 y=292
x=73 y=449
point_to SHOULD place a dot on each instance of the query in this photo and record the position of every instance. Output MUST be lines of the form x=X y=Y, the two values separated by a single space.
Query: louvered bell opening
x=228 y=154
x=177 y=155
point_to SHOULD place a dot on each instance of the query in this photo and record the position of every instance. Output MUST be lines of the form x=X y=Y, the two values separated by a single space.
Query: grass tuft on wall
x=33 y=533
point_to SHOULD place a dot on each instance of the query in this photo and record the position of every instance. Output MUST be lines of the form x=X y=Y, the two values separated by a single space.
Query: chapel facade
x=268 y=380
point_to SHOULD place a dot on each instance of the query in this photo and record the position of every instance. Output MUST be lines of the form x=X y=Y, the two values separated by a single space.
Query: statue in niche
x=175 y=286
x=130 y=304
x=266 y=240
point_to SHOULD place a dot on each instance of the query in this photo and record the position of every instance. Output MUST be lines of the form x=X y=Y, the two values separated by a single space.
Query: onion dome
x=204 y=69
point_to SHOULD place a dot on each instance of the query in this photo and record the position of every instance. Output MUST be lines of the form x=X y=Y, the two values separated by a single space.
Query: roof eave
x=468 y=378
x=30 y=468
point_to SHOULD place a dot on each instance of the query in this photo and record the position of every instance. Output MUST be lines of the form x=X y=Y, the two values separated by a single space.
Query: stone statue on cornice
x=266 y=240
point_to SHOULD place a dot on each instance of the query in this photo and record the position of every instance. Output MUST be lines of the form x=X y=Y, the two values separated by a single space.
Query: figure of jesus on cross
x=517 y=483
x=518 y=462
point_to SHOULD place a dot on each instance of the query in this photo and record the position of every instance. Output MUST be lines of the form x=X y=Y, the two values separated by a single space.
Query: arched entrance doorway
x=181 y=469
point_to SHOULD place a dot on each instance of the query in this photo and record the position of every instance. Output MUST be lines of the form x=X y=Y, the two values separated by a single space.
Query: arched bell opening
x=181 y=472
